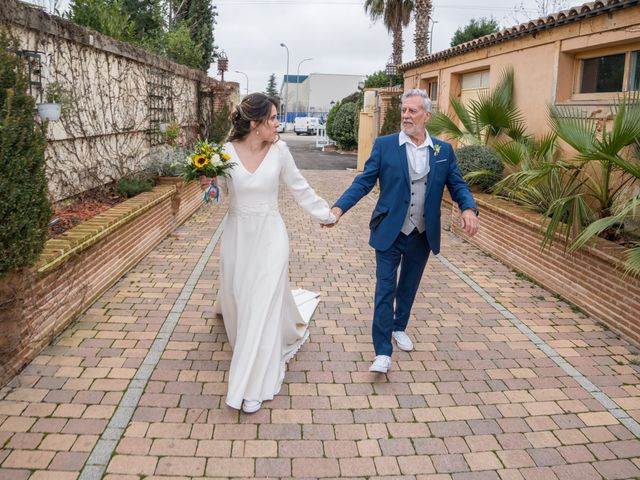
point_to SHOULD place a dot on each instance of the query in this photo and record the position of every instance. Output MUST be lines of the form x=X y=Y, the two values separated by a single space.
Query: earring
x=257 y=131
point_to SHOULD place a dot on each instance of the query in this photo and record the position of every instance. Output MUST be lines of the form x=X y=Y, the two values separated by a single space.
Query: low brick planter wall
x=79 y=265
x=592 y=278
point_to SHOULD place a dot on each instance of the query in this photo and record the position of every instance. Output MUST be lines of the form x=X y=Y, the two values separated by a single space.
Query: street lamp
x=245 y=76
x=286 y=95
x=391 y=70
x=223 y=64
x=298 y=84
x=433 y=22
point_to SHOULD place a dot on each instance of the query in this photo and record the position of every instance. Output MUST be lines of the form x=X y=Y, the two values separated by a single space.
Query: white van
x=306 y=125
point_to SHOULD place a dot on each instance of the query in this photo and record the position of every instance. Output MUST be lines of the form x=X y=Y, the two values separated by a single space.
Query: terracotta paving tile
x=476 y=399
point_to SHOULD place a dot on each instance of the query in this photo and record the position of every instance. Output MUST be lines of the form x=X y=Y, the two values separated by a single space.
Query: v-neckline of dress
x=242 y=164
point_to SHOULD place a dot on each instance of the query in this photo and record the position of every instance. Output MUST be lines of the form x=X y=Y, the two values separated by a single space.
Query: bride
x=266 y=322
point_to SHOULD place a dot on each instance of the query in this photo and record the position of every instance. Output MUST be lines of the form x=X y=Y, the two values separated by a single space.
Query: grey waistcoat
x=415 y=214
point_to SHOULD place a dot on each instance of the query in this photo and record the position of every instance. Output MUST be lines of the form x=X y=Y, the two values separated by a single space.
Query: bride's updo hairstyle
x=254 y=107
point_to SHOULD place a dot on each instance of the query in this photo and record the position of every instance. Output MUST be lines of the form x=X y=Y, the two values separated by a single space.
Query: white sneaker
x=403 y=341
x=381 y=364
x=251 y=406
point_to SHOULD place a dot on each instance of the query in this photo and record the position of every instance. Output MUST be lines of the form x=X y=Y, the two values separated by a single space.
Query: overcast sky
x=337 y=34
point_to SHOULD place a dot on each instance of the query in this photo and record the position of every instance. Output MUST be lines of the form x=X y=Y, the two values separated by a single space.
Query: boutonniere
x=436 y=149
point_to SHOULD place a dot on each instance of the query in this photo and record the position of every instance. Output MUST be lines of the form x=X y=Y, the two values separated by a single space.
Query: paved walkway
x=506 y=382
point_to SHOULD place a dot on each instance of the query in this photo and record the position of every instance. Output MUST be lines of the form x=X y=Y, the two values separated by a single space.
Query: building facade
x=315 y=94
x=584 y=57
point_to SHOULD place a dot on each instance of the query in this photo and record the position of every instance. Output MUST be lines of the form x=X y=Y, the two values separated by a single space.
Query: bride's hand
x=333 y=224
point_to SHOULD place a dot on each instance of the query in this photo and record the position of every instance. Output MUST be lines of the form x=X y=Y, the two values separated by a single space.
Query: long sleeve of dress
x=304 y=195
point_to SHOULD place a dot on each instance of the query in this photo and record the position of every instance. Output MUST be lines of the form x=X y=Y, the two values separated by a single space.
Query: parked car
x=306 y=125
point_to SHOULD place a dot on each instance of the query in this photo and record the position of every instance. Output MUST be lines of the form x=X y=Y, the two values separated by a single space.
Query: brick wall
x=593 y=278
x=56 y=298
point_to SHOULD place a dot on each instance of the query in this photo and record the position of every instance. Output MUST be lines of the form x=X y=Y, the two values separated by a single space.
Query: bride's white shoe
x=251 y=406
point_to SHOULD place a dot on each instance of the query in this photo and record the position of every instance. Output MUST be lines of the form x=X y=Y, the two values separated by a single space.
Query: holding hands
x=337 y=212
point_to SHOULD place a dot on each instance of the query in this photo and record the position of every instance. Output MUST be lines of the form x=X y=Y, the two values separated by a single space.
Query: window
x=634 y=74
x=430 y=85
x=473 y=85
x=432 y=90
x=602 y=74
x=475 y=80
x=609 y=72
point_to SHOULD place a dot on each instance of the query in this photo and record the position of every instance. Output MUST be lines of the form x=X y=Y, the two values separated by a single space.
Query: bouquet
x=207 y=160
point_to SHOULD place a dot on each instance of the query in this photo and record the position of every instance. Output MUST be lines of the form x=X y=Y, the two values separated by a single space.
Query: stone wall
x=116 y=95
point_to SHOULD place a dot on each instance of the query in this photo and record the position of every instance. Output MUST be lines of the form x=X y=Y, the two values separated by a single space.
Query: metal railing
x=321 y=136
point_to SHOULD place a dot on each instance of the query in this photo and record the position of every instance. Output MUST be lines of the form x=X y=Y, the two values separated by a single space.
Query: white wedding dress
x=266 y=322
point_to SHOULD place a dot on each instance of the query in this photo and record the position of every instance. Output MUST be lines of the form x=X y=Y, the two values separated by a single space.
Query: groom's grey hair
x=417 y=92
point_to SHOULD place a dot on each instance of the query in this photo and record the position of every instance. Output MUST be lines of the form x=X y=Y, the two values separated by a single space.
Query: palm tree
x=423 y=10
x=483 y=120
x=613 y=155
x=396 y=15
x=591 y=194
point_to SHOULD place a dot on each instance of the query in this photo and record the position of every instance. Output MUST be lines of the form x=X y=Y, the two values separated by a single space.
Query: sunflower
x=200 y=160
x=225 y=157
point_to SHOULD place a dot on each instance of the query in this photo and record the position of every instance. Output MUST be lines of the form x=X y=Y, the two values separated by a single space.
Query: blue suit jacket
x=388 y=165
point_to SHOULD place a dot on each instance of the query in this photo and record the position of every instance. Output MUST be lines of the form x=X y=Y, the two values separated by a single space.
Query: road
x=308 y=157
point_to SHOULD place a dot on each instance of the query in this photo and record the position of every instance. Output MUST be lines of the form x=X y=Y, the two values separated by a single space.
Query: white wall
x=325 y=88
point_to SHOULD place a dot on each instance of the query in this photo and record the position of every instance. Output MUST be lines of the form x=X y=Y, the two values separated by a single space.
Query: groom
x=412 y=169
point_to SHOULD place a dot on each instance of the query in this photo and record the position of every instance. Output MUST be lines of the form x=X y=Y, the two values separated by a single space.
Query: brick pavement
x=477 y=399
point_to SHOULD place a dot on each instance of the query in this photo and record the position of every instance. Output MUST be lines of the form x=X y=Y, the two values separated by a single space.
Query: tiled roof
x=574 y=14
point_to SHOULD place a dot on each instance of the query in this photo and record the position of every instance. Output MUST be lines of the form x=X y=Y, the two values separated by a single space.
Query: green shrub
x=351 y=98
x=165 y=161
x=24 y=203
x=181 y=48
x=105 y=16
x=131 y=186
x=380 y=79
x=344 y=132
x=331 y=116
x=480 y=165
x=393 y=118
x=220 y=125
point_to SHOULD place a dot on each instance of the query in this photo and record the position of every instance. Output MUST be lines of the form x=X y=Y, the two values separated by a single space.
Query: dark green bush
x=220 y=125
x=480 y=165
x=392 y=119
x=131 y=186
x=24 y=202
x=344 y=132
x=331 y=116
x=351 y=98
x=380 y=79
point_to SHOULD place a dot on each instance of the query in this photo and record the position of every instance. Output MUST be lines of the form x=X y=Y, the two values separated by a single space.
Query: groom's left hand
x=469 y=222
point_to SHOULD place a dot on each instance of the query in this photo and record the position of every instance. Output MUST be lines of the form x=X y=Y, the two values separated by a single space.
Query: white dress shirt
x=417 y=155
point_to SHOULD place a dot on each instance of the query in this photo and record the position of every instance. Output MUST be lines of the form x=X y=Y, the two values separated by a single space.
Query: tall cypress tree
x=272 y=88
x=201 y=18
x=146 y=16
x=24 y=203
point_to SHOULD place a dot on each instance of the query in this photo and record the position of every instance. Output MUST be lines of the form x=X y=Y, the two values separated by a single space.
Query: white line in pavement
x=101 y=454
x=606 y=401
